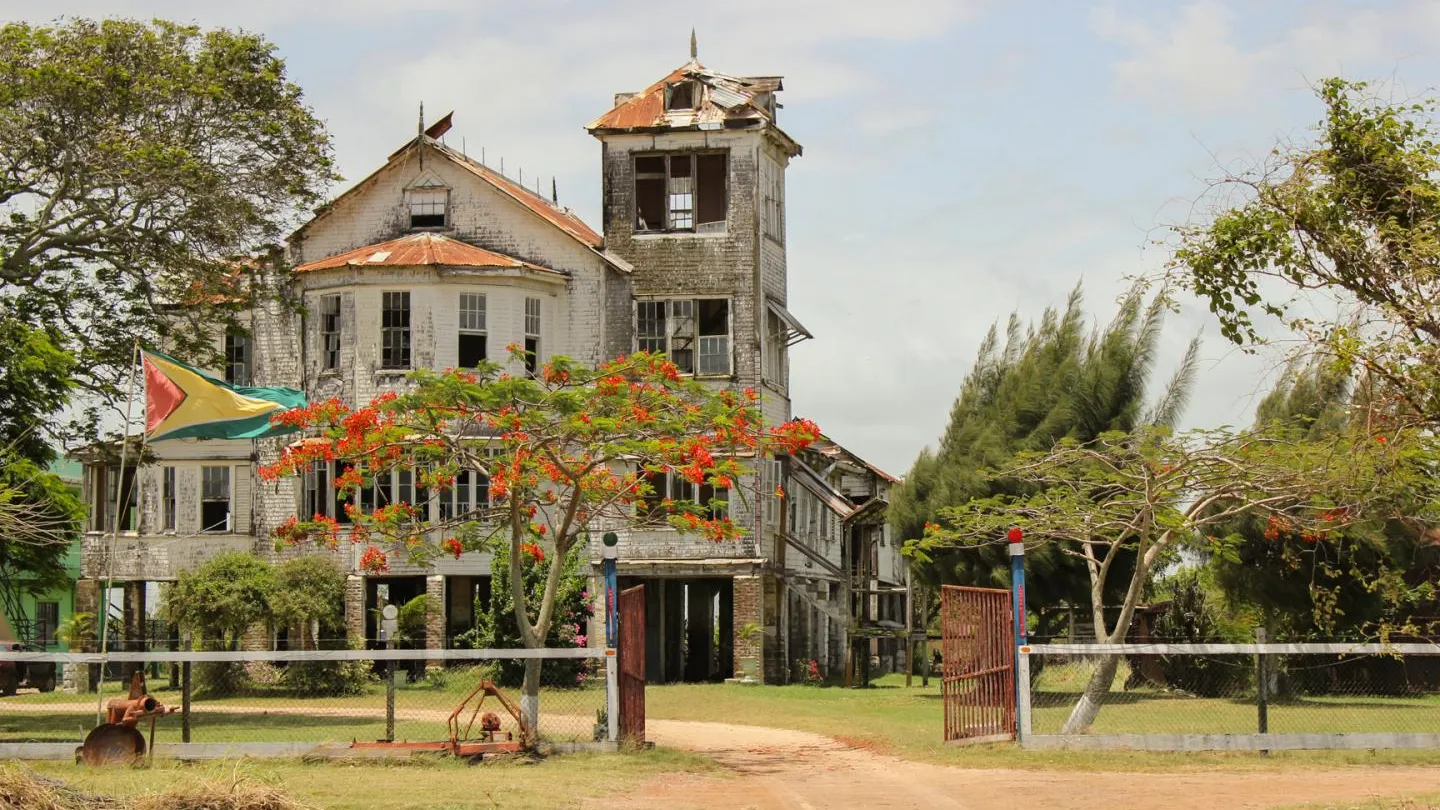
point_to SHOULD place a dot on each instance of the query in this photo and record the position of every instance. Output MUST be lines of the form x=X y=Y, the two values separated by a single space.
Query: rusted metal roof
x=562 y=218
x=421 y=250
x=721 y=101
x=832 y=450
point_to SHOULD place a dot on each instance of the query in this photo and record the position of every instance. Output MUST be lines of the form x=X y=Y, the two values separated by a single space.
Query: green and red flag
x=183 y=402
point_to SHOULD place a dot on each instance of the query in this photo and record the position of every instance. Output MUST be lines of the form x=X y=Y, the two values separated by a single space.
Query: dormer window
x=428 y=206
x=680 y=96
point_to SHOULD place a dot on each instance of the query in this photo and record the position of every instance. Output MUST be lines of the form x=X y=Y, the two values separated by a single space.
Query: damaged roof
x=720 y=101
x=421 y=250
x=834 y=451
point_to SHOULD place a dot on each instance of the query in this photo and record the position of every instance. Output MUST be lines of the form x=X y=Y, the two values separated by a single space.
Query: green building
x=33 y=620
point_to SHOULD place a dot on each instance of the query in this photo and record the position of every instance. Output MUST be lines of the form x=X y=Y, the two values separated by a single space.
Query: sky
x=963 y=159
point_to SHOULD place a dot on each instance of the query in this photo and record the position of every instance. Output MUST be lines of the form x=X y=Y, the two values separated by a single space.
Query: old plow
x=491 y=738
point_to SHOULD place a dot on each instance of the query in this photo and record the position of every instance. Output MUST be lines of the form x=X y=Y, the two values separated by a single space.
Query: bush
x=495 y=626
x=215 y=679
x=327 y=678
x=1191 y=616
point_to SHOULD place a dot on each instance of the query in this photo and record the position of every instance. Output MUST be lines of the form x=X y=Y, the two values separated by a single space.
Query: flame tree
x=565 y=451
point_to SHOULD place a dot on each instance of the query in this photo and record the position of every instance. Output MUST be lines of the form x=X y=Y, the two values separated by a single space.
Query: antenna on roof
x=420 y=135
x=482 y=156
x=694 y=49
x=463 y=153
x=554 y=191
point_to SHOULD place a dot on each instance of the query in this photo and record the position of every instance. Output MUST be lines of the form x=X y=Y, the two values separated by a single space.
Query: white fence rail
x=1229 y=697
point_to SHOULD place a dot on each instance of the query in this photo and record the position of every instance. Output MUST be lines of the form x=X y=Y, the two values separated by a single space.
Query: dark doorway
x=689 y=628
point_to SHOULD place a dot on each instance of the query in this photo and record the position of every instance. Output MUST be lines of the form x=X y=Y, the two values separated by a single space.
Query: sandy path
x=775 y=768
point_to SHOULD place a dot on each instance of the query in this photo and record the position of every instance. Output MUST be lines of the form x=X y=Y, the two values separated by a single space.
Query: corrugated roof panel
x=419 y=250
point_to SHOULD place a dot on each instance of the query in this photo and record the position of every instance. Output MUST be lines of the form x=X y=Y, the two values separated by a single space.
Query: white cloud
x=1206 y=59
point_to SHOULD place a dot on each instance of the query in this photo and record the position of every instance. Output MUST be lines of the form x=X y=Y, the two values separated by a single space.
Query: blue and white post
x=1017 y=609
x=609 y=553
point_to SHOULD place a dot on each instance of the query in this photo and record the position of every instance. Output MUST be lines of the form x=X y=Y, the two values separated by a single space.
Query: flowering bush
x=808 y=671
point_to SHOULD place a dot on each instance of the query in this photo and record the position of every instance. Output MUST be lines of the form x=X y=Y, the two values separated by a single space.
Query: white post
x=612 y=694
x=1022 y=681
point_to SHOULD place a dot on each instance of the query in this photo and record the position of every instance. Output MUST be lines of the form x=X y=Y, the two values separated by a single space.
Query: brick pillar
x=745 y=608
x=434 y=617
x=87 y=600
x=132 y=637
x=256 y=638
x=355 y=610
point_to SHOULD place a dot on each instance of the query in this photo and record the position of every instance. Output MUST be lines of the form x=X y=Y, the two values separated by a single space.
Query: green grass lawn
x=430 y=784
x=891 y=718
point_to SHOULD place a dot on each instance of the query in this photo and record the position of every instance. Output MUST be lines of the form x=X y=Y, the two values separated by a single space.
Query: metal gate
x=632 y=664
x=978 y=642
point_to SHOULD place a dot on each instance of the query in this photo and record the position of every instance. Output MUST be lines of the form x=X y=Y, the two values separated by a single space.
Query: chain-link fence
x=1183 y=695
x=330 y=697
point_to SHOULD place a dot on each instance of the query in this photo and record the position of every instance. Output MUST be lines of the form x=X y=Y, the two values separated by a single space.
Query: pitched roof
x=722 y=101
x=835 y=451
x=420 y=250
x=558 y=216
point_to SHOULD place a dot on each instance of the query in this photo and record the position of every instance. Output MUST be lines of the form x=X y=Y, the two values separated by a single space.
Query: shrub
x=1191 y=616
x=327 y=678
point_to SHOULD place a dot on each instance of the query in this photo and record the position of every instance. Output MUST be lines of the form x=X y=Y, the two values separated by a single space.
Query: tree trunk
x=530 y=699
x=1083 y=715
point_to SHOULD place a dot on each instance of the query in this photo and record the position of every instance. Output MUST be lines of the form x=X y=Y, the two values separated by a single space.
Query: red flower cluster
x=374 y=561
x=533 y=551
x=452 y=545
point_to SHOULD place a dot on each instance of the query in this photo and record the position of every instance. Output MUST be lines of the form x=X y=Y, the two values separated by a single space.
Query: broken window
x=681 y=192
x=772 y=187
x=215 y=499
x=713 y=501
x=532 y=335
x=237 y=359
x=167 y=497
x=330 y=332
x=776 y=349
x=316 y=493
x=111 y=484
x=395 y=330
x=472 y=330
x=694 y=334
x=427 y=207
x=680 y=96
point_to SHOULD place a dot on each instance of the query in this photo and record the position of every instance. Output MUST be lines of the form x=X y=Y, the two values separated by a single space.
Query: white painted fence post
x=612 y=694
x=1022 y=682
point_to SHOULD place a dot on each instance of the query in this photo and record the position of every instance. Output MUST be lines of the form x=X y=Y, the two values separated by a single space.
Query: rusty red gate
x=977 y=639
x=632 y=664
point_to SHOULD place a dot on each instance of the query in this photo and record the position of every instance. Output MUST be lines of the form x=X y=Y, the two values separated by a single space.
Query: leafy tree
x=223 y=598
x=1149 y=493
x=495 y=625
x=565 y=450
x=1366 y=581
x=39 y=515
x=1039 y=387
x=1350 y=218
x=139 y=160
x=309 y=593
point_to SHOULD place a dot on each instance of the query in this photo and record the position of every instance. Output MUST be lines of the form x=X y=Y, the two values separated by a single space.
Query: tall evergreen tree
x=1042 y=384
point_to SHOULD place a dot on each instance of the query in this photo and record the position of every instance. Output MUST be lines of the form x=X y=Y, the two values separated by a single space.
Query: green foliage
x=327 y=678
x=1353 y=216
x=223 y=598
x=1194 y=614
x=496 y=626
x=309 y=589
x=1041 y=385
x=141 y=158
x=412 y=619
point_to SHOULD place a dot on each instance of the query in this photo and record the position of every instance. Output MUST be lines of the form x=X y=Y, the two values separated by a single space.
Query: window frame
x=470 y=328
x=237 y=344
x=330 y=328
x=675 y=487
x=412 y=203
x=168 y=507
x=689 y=353
x=532 y=338
x=207 y=496
x=672 y=191
x=400 y=332
x=45 y=630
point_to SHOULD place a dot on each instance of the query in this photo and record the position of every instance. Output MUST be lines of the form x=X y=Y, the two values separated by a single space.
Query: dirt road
x=775 y=768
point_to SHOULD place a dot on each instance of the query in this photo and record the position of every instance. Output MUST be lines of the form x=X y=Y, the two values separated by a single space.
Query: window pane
x=395 y=330
x=472 y=350
x=650 y=326
x=237 y=360
x=712 y=192
x=472 y=312
x=532 y=316
x=330 y=331
x=681 y=193
x=427 y=207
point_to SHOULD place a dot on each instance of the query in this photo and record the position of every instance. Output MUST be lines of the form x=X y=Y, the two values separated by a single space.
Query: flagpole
x=115 y=535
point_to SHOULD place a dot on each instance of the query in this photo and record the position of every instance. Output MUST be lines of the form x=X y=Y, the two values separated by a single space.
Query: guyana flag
x=182 y=402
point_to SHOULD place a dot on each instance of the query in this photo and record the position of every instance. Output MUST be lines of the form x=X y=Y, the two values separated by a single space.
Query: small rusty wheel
x=113 y=744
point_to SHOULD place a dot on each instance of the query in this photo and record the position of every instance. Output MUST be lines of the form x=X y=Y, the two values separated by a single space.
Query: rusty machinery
x=461 y=744
x=117 y=741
